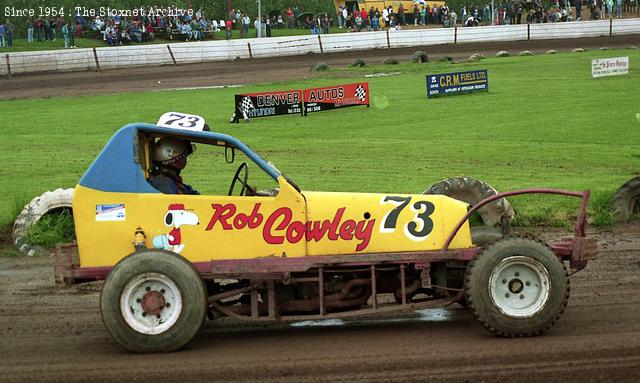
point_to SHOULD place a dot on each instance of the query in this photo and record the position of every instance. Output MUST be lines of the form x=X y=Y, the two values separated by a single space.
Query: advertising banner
x=457 y=82
x=252 y=105
x=609 y=67
x=337 y=96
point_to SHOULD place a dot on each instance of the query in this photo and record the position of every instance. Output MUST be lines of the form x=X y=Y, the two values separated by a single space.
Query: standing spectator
x=246 y=21
x=416 y=14
x=344 y=16
x=267 y=25
x=1 y=35
x=149 y=32
x=603 y=10
x=610 y=8
x=290 y=18
x=8 y=32
x=258 y=27
x=518 y=9
x=65 y=35
x=339 y=14
x=53 y=28
x=375 y=20
x=232 y=16
x=228 y=27
x=402 y=20
x=78 y=31
x=29 y=26
x=47 y=29
x=358 y=20
x=453 y=18
x=325 y=24
x=71 y=32
x=393 y=20
x=385 y=16
x=39 y=27
x=238 y=19
x=423 y=16
x=578 y=9
x=619 y=8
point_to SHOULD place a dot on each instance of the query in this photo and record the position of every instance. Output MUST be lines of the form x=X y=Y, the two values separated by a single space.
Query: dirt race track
x=53 y=334
x=50 y=334
x=239 y=72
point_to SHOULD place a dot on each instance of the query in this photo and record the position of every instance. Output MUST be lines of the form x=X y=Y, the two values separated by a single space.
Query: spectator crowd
x=192 y=26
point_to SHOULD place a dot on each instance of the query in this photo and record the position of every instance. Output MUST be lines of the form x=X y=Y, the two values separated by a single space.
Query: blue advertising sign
x=457 y=82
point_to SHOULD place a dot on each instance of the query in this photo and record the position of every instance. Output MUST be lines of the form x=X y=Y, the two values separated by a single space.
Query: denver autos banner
x=457 y=82
x=337 y=96
x=251 y=105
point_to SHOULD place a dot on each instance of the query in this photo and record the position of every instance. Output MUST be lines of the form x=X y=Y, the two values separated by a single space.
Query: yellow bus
x=367 y=4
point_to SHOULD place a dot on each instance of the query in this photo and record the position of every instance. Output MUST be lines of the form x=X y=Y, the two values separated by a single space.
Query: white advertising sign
x=609 y=67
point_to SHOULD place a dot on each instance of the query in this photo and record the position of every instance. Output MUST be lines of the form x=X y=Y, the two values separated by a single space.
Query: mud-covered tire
x=33 y=211
x=624 y=200
x=472 y=191
x=153 y=301
x=517 y=287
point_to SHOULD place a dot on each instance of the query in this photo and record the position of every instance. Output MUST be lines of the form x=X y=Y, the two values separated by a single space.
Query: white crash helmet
x=170 y=150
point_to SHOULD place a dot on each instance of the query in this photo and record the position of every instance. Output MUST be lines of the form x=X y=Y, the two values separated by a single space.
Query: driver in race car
x=169 y=157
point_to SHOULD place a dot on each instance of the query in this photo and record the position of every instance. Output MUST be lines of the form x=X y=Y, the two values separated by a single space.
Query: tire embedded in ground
x=153 y=301
x=517 y=287
x=472 y=191
x=624 y=201
x=38 y=207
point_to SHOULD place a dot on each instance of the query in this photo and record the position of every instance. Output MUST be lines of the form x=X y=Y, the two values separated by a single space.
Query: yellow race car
x=285 y=254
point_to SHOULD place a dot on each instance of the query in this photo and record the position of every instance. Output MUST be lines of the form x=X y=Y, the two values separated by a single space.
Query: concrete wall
x=223 y=50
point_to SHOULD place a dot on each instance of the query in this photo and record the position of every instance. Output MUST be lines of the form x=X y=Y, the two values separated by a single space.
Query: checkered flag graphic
x=245 y=106
x=361 y=93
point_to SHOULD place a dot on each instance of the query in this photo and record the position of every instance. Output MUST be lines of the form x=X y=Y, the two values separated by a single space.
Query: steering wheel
x=240 y=178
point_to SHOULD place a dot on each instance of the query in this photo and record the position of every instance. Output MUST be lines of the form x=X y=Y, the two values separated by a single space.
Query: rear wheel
x=517 y=287
x=626 y=199
x=153 y=301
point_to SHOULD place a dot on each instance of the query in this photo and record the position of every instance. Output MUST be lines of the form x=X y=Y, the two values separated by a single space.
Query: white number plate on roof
x=176 y=120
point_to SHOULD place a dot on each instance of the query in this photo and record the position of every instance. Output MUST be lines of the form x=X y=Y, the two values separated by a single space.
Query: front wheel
x=517 y=287
x=153 y=301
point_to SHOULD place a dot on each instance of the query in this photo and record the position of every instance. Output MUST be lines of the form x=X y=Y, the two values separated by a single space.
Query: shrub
x=390 y=61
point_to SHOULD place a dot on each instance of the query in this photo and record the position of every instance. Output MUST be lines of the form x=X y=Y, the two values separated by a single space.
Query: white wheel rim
x=155 y=293
x=519 y=286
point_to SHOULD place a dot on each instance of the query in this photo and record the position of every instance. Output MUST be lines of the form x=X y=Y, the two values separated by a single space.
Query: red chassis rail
x=577 y=250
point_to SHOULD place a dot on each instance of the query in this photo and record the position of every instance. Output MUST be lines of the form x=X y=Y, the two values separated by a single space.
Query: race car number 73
x=419 y=227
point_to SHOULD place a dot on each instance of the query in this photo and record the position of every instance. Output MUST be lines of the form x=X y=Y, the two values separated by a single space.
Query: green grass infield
x=544 y=123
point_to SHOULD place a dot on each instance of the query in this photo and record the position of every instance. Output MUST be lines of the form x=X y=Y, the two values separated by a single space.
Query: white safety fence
x=224 y=50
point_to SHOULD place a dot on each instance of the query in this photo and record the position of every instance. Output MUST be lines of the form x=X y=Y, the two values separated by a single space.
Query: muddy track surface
x=51 y=334
x=261 y=70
